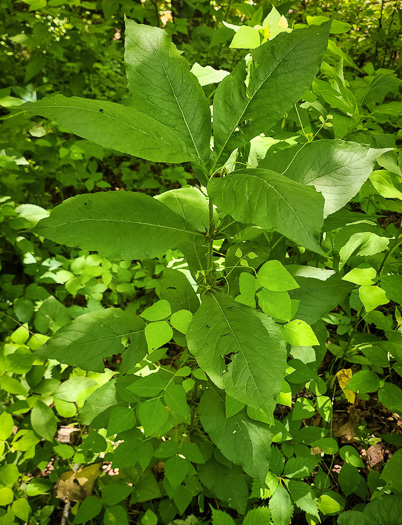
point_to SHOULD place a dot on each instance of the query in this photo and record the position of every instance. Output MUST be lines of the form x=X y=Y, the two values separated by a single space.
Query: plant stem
x=210 y=237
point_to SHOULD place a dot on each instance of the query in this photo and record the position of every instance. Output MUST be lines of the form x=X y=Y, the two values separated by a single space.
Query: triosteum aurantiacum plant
x=244 y=304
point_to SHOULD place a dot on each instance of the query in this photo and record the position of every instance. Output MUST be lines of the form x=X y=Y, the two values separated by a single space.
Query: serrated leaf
x=111 y=125
x=243 y=441
x=222 y=327
x=273 y=202
x=281 y=506
x=162 y=86
x=221 y=518
x=120 y=224
x=336 y=168
x=285 y=65
x=303 y=497
x=258 y=516
x=87 y=340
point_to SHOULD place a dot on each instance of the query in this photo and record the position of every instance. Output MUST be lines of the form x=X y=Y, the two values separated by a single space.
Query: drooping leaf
x=43 y=420
x=281 y=71
x=273 y=202
x=281 y=506
x=111 y=125
x=320 y=291
x=242 y=440
x=190 y=204
x=222 y=327
x=87 y=340
x=163 y=88
x=123 y=225
x=336 y=168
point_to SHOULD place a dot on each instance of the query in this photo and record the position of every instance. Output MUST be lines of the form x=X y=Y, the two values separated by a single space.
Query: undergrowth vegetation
x=200 y=278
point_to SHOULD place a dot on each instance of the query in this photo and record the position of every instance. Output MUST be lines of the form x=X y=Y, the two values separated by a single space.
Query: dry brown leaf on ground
x=76 y=486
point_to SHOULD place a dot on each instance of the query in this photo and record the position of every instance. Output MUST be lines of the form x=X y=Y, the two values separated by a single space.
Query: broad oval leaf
x=242 y=440
x=335 y=168
x=121 y=224
x=222 y=329
x=115 y=126
x=282 y=70
x=87 y=340
x=163 y=87
x=273 y=202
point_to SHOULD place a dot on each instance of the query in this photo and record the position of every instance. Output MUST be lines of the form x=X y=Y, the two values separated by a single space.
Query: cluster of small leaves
x=182 y=355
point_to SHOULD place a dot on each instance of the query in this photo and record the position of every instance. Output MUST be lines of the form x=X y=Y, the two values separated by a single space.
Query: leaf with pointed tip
x=281 y=71
x=87 y=340
x=163 y=87
x=273 y=202
x=335 y=168
x=242 y=440
x=223 y=328
x=121 y=225
x=281 y=506
x=115 y=126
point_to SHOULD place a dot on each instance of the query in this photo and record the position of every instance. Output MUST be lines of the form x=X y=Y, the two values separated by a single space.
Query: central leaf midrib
x=254 y=94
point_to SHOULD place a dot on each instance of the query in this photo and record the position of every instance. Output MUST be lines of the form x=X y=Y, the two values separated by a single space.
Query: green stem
x=210 y=237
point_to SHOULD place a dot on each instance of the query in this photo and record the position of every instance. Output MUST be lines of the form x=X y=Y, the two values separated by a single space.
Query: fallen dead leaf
x=76 y=486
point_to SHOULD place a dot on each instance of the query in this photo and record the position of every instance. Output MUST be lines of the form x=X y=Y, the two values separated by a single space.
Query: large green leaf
x=273 y=202
x=123 y=225
x=224 y=329
x=87 y=340
x=164 y=88
x=241 y=439
x=111 y=125
x=335 y=168
x=320 y=291
x=281 y=71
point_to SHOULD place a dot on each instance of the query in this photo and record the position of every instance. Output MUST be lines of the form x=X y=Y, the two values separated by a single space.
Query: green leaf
x=389 y=395
x=175 y=398
x=88 y=509
x=158 y=311
x=157 y=334
x=120 y=420
x=275 y=304
x=351 y=456
x=273 y=202
x=372 y=296
x=120 y=224
x=303 y=497
x=281 y=506
x=21 y=509
x=176 y=470
x=246 y=37
x=386 y=510
x=335 y=168
x=243 y=441
x=6 y=496
x=175 y=287
x=331 y=503
x=153 y=415
x=258 y=516
x=149 y=386
x=43 y=420
x=299 y=333
x=163 y=88
x=87 y=340
x=362 y=276
x=222 y=327
x=6 y=426
x=181 y=320
x=300 y=467
x=274 y=276
x=349 y=479
x=111 y=125
x=320 y=292
x=383 y=183
x=13 y=386
x=113 y=494
x=190 y=204
x=364 y=382
x=116 y=515
x=392 y=284
x=337 y=26
x=285 y=65
x=208 y=75
x=221 y=518
x=392 y=472
x=353 y=517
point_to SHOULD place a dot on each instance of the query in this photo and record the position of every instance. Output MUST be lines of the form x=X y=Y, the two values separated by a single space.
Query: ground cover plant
x=223 y=344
